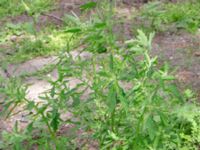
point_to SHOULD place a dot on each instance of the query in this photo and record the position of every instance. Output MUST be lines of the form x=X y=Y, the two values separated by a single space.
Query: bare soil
x=180 y=51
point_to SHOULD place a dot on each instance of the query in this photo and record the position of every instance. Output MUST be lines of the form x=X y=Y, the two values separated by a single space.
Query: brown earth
x=180 y=51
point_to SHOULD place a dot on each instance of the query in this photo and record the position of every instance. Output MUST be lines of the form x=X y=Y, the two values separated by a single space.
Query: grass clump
x=26 y=43
x=180 y=15
x=29 y=49
x=15 y=7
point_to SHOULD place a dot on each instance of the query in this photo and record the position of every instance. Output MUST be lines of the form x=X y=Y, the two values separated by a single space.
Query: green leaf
x=163 y=118
x=188 y=93
x=30 y=105
x=151 y=127
x=168 y=77
x=73 y=30
x=111 y=99
x=142 y=38
x=88 y=6
x=113 y=135
x=100 y=25
x=111 y=64
x=122 y=98
x=101 y=49
x=52 y=92
x=151 y=36
x=29 y=27
x=55 y=119
x=104 y=74
x=42 y=109
x=29 y=128
x=174 y=90
x=76 y=101
x=26 y=6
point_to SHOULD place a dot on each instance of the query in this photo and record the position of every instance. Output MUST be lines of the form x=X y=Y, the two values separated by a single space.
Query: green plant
x=139 y=117
x=24 y=46
x=182 y=15
x=121 y=99
x=15 y=7
x=44 y=118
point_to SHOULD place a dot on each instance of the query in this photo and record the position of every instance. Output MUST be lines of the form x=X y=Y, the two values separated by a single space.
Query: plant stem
x=113 y=121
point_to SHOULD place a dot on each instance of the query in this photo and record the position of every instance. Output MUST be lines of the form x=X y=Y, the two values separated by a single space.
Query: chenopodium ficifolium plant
x=42 y=117
x=131 y=103
x=121 y=101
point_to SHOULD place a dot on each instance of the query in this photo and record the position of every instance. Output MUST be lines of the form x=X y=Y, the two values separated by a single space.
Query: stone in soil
x=30 y=66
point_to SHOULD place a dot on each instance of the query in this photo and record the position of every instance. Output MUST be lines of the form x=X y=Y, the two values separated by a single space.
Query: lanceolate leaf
x=111 y=62
x=172 y=89
x=151 y=127
x=55 y=119
x=88 y=5
x=111 y=99
x=73 y=30
x=26 y=6
x=100 y=25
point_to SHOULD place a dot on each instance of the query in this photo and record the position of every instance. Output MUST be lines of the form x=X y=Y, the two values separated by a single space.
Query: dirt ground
x=181 y=51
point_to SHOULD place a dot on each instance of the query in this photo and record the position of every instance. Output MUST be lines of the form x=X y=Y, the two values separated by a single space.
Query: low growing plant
x=163 y=17
x=15 y=7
